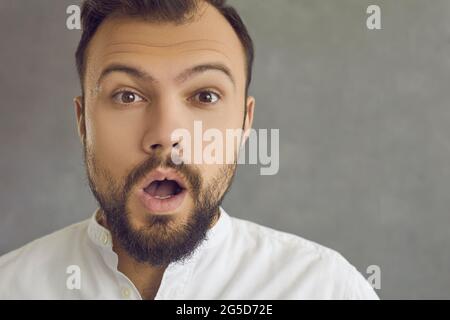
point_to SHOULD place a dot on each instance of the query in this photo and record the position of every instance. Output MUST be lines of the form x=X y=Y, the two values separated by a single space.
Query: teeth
x=162 y=198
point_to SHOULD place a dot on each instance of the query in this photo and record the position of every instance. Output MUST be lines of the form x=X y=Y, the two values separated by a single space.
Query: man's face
x=137 y=93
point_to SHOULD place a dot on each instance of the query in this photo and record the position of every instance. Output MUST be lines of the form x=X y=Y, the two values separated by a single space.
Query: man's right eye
x=127 y=97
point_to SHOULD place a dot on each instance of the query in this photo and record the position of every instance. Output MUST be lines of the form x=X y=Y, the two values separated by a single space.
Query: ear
x=250 y=103
x=80 y=113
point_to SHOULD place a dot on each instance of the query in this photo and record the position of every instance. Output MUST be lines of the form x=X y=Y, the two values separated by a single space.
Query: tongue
x=162 y=188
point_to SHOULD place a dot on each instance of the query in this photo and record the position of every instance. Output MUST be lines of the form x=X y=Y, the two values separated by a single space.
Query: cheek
x=113 y=142
x=228 y=114
x=209 y=172
x=230 y=117
x=226 y=139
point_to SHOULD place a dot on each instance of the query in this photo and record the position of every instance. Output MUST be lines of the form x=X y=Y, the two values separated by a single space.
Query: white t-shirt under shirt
x=239 y=260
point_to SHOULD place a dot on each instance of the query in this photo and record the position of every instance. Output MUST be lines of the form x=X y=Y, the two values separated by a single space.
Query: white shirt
x=239 y=260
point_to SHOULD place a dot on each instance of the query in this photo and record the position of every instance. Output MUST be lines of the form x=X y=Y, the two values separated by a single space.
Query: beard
x=162 y=240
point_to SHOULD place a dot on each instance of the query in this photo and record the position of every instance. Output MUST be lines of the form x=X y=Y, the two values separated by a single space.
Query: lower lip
x=156 y=205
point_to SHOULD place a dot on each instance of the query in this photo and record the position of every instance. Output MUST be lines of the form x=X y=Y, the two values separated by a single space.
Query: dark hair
x=94 y=12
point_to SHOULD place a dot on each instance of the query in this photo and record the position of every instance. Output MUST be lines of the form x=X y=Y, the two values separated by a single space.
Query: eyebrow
x=182 y=77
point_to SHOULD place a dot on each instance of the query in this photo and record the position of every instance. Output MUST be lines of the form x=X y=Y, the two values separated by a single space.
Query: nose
x=162 y=120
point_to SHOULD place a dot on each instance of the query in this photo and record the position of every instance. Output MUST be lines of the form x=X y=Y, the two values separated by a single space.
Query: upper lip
x=161 y=174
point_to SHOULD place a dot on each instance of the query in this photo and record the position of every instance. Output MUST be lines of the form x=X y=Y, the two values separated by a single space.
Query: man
x=147 y=69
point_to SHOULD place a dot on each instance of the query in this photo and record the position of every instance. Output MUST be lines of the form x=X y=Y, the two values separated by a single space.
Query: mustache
x=190 y=173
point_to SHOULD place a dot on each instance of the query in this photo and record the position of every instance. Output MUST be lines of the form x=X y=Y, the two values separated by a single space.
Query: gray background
x=364 y=128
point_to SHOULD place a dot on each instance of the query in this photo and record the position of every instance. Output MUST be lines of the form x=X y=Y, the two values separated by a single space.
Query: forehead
x=163 y=49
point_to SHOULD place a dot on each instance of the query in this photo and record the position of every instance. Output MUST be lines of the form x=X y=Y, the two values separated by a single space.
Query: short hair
x=94 y=12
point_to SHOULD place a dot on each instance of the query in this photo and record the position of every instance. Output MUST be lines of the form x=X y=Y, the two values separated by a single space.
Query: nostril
x=155 y=146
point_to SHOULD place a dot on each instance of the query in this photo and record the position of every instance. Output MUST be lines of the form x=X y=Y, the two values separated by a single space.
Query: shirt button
x=125 y=293
x=105 y=238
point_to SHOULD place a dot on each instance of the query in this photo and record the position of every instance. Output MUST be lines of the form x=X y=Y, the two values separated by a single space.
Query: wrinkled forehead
x=166 y=48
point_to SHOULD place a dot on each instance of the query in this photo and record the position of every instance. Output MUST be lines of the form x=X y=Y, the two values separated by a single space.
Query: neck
x=146 y=278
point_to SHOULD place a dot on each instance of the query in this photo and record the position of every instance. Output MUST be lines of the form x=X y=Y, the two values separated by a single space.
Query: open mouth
x=163 y=189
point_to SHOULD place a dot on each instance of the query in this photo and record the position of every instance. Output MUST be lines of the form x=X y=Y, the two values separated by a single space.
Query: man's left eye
x=207 y=97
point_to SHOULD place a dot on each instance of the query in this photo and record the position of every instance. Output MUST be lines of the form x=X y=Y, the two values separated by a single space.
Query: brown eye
x=207 y=97
x=127 y=97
